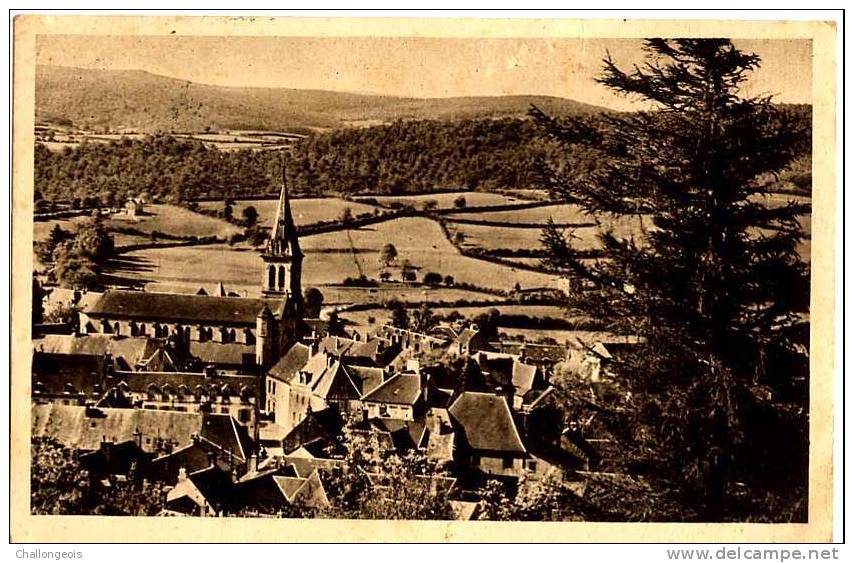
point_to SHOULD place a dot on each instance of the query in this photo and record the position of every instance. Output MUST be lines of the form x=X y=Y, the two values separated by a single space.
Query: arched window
x=187 y=333
x=249 y=337
x=271 y=277
x=203 y=335
x=142 y=330
x=152 y=392
x=116 y=327
x=232 y=336
x=281 y=277
x=134 y=330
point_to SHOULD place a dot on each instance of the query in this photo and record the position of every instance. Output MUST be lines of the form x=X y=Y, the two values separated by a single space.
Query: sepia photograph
x=282 y=276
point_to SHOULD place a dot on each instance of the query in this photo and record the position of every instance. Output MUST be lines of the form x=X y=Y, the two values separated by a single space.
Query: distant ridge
x=148 y=103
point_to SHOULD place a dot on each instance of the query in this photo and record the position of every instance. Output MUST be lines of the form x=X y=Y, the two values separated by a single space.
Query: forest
x=401 y=158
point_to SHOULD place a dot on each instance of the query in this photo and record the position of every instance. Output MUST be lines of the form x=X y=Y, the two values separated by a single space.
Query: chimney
x=253 y=464
x=182 y=474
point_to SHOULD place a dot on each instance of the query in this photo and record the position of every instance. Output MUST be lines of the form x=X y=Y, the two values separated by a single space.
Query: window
x=532 y=465
x=507 y=463
x=243 y=415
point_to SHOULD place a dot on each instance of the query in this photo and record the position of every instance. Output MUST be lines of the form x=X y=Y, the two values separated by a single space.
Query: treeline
x=396 y=159
x=401 y=158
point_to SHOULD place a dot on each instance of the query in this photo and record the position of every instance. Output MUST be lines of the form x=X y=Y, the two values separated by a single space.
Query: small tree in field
x=460 y=202
x=313 y=300
x=250 y=216
x=711 y=280
x=432 y=278
x=388 y=254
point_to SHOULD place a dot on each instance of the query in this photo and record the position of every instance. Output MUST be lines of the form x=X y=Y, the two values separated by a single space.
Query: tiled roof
x=140 y=381
x=214 y=484
x=368 y=378
x=486 y=423
x=336 y=383
x=219 y=353
x=228 y=434
x=126 y=352
x=524 y=376
x=337 y=345
x=291 y=363
x=167 y=307
x=465 y=336
x=71 y=426
x=402 y=389
x=324 y=425
x=57 y=373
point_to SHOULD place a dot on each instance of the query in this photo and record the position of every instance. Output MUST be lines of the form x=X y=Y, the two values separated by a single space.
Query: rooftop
x=486 y=423
x=181 y=308
x=402 y=389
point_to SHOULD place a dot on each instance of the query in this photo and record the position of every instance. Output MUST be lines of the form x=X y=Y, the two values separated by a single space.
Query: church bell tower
x=282 y=274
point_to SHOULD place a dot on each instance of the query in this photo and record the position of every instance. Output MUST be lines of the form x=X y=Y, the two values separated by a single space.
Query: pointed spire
x=284 y=236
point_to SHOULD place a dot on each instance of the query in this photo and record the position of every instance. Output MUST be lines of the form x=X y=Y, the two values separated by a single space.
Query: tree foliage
x=713 y=284
x=59 y=485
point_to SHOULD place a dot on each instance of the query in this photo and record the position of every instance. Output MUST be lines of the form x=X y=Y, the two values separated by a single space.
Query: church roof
x=168 y=307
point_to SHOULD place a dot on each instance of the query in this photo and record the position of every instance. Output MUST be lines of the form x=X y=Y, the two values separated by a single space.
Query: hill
x=123 y=100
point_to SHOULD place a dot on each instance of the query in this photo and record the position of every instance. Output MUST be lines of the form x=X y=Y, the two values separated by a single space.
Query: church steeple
x=283 y=257
x=284 y=239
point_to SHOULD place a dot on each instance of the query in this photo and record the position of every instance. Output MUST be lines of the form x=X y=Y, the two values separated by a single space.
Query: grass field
x=381 y=315
x=41 y=229
x=446 y=200
x=560 y=213
x=307 y=211
x=421 y=241
x=417 y=239
x=174 y=220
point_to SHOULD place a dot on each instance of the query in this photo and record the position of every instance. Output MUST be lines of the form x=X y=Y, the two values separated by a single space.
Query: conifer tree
x=695 y=260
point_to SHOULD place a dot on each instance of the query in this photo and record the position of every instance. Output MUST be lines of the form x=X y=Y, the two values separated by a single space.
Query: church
x=268 y=324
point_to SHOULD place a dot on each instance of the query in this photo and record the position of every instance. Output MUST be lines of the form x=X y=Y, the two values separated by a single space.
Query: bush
x=361 y=281
x=432 y=278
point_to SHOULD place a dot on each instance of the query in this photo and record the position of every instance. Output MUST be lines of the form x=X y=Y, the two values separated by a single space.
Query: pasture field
x=354 y=253
x=560 y=213
x=335 y=295
x=238 y=269
x=382 y=315
x=509 y=237
x=225 y=141
x=421 y=242
x=445 y=200
x=174 y=220
x=307 y=211
x=41 y=229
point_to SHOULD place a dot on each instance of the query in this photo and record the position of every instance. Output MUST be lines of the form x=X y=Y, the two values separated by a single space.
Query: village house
x=235 y=395
x=401 y=397
x=487 y=438
x=86 y=428
x=134 y=206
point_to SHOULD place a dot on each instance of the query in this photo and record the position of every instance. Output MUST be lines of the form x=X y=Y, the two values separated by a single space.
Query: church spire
x=283 y=258
x=284 y=237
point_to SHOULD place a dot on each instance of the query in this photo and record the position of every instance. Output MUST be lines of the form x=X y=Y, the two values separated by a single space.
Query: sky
x=410 y=67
